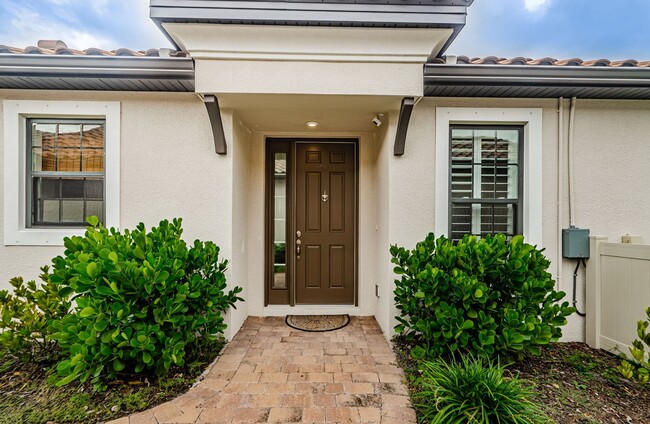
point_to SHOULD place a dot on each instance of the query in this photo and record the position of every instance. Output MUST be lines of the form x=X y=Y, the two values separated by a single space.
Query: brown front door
x=325 y=223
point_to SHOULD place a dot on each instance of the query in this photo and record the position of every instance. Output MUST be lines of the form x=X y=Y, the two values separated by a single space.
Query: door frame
x=287 y=145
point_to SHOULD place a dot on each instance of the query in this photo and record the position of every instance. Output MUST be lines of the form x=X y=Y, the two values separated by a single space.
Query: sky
x=590 y=29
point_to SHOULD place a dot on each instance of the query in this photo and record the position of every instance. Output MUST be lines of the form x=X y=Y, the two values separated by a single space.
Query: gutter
x=527 y=75
x=127 y=67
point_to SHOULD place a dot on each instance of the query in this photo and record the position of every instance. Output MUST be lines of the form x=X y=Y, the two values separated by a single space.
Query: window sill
x=41 y=236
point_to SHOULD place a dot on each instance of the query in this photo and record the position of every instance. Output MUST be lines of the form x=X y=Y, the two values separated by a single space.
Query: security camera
x=377 y=119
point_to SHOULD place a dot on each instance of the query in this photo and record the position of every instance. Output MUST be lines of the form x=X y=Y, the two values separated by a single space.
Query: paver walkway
x=273 y=373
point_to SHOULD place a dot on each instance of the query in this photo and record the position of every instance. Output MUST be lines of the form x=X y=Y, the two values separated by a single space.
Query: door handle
x=298 y=243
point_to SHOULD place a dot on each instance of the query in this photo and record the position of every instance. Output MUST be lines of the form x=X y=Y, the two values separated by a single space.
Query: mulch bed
x=28 y=393
x=573 y=383
x=578 y=384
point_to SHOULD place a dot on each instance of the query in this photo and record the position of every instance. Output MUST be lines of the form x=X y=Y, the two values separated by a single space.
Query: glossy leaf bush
x=25 y=317
x=482 y=296
x=142 y=300
x=638 y=367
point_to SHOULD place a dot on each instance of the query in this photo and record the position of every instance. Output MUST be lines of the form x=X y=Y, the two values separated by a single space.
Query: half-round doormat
x=317 y=322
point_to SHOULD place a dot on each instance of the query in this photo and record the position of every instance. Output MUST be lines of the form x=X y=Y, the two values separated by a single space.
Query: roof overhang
x=448 y=14
x=109 y=73
x=596 y=82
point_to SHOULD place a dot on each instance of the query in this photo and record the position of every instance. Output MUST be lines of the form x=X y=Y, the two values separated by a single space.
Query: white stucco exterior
x=168 y=168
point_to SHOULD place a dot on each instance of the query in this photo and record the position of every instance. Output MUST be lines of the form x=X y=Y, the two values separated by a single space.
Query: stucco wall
x=612 y=144
x=168 y=169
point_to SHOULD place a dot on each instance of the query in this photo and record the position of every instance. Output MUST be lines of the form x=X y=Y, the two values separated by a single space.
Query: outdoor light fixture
x=377 y=119
x=311 y=124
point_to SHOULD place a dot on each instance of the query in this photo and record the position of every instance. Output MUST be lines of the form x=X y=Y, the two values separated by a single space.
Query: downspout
x=560 y=189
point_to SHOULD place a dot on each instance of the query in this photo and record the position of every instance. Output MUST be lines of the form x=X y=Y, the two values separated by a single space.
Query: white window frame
x=16 y=113
x=531 y=119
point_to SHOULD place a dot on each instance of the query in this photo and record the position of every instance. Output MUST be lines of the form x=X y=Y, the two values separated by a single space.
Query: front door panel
x=325 y=218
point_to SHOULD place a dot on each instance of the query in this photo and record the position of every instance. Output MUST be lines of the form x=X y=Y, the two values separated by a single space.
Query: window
x=279 y=221
x=61 y=164
x=527 y=185
x=65 y=172
x=485 y=186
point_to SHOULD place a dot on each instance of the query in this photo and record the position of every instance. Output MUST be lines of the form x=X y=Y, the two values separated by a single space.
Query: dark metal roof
x=347 y=13
x=545 y=78
x=52 y=65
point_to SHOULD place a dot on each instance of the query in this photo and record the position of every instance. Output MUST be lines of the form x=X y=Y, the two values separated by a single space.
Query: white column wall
x=406 y=214
x=239 y=149
x=383 y=151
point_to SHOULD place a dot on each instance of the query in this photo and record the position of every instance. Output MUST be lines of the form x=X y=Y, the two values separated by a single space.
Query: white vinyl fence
x=618 y=292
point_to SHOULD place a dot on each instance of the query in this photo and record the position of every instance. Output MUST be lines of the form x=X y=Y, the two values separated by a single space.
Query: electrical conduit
x=560 y=189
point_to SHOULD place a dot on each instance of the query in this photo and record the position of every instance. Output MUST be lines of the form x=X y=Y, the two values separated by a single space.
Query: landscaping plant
x=639 y=367
x=142 y=300
x=26 y=315
x=483 y=296
x=471 y=391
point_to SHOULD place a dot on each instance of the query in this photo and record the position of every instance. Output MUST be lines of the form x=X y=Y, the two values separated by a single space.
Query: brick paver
x=273 y=373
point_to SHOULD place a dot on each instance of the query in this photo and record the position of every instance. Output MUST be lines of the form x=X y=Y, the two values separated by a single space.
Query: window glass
x=484 y=181
x=280 y=221
x=66 y=173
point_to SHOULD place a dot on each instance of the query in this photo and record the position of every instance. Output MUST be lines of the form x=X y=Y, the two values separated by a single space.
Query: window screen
x=486 y=180
x=65 y=172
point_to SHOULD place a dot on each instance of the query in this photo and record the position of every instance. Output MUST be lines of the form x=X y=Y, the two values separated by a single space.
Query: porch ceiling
x=289 y=113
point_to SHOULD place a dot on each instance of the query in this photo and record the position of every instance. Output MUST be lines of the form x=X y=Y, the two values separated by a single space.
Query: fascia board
x=361 y=17
x=177 y=8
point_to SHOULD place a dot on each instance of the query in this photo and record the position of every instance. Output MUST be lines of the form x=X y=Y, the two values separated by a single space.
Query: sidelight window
x=279 y=221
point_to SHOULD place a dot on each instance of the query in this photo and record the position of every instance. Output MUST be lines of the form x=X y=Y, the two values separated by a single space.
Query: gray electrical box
x=575 y=243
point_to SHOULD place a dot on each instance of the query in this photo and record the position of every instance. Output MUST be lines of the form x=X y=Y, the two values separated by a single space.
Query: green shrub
x=639 y=367
x=25 y=315
x=142 y=300
x=471 y=391
x=481 y=296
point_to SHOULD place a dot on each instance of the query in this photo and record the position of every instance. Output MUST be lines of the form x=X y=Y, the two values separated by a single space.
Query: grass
x=28 y=395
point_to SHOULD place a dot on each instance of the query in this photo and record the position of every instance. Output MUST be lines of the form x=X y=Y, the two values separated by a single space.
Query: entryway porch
x=271 y=372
